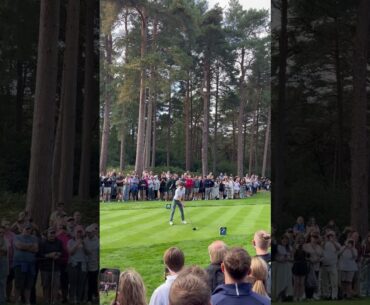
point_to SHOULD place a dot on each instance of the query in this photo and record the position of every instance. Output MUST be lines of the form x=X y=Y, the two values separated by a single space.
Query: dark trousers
x=92 y=285
x=76 y=283
x=174 y=204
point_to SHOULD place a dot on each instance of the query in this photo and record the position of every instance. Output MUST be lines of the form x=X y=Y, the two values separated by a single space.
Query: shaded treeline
x=49 y=63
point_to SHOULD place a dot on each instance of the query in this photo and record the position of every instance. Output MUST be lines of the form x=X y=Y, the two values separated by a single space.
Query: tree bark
x=39 y=188
x=107 y=107
x=278 y=120
x=86 y=147
x=139 y=162
x=169 y=128
x=20 y=95
x=187 y=125
x=69 y=86
x=205 y=132
x=148 y=132
x=267 y=143
x=122 y=155
x=216 y=121
x=242 y=89
x=154 y=130
x=359 y=140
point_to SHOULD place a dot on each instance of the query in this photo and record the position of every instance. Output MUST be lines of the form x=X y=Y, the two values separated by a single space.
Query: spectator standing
x=25 y=249
x=64 y=237
x=92 y=249
x=348 y=267
x=236 y=291
x=9 y=237
x=329 y=270
x=77 y=266
x=258 y=276
x=50 y=253
x=284 y=258
x=216 y=251
x=131 y=289
x=174 y=260
x=300 y=268
x=4 y=265
x=365 y=270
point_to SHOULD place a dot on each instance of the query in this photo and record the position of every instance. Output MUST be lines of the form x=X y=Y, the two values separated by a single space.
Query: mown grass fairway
x=136 y=234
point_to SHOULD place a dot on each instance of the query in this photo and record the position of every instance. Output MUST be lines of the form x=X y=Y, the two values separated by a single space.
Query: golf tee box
x=168 y=206
x=223 y=230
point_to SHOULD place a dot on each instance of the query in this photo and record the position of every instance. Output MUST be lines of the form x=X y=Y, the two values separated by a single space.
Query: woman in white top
x=284 y=259
x=236 y=188
x=347 y=266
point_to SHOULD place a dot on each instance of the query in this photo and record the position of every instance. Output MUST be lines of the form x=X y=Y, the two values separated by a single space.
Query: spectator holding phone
x=77 y=265
x=348 y=267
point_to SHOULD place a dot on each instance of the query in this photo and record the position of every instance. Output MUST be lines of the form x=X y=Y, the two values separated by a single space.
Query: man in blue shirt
x=236 y=290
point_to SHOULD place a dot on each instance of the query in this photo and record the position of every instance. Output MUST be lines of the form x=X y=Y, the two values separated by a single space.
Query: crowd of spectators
x=313 y=262
x=150 y=187
x=233 y=277
x=60 y=263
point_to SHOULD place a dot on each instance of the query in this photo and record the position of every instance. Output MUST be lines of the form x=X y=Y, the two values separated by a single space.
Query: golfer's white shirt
x=160 y=296
x=179 y=193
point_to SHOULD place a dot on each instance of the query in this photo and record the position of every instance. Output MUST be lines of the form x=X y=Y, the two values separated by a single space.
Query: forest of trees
x=320 y=106
x=184 y=85
x=49 y=124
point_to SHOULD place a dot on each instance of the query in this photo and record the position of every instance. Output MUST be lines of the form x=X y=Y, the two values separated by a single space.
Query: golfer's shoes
x=184 y=222
x=171 y=223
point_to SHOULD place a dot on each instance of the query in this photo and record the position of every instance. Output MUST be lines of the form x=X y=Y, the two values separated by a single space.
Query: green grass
x=135 y=235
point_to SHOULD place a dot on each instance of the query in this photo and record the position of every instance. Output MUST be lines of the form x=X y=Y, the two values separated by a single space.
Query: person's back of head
x=262 y=240
x=258 y=275
x=174 y=259
x=236 y=264
x=131 y=289
x=217 y=251
x=195 y=270
x=189 y=289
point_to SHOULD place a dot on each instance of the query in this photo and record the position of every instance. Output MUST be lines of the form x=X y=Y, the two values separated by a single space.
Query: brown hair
x=217 y=251
x=131 y=289
x=189 y=289
x=197 y=271
x=259 y=274
x=174 y=259
x=237 y=263
x=262 y=240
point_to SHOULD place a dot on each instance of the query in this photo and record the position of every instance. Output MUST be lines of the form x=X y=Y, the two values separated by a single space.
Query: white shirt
x=180 y=192
x=160 y=296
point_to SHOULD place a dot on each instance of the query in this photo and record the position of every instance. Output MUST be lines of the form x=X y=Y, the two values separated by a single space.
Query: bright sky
x=257 y=4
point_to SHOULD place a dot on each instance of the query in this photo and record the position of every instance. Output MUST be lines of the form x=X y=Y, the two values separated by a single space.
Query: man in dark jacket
x=216 y=251
x=236 y=291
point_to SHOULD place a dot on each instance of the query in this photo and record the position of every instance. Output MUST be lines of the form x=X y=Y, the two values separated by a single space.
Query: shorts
x=119 y=189
x=46 y=277
x=107 y=190
x=347 y=276
x=22 y=280
x=196 y=190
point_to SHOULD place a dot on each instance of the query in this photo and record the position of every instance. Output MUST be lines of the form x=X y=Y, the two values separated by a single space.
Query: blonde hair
x=217 y=251
x=259 y=274
x=262 y=240
x=131 y=289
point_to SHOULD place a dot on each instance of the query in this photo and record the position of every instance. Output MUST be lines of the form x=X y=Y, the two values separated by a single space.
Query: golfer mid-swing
x=179 y=196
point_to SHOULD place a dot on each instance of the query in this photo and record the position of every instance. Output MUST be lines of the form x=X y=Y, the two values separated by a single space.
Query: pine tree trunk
x=139 y=162
x=187 y=125
x=278 y=120
x=57 y=158
x=39 y=187
x=267 y=143
x=86 y=147
x=205 y=131
x=240 y=148
x=216 y=121
x=122 y=154
x=148 y=132
x=20 y=94
x=154 y=130
x=359 y=140
x=69 y=86
x=169 y=128
x=107 y=107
